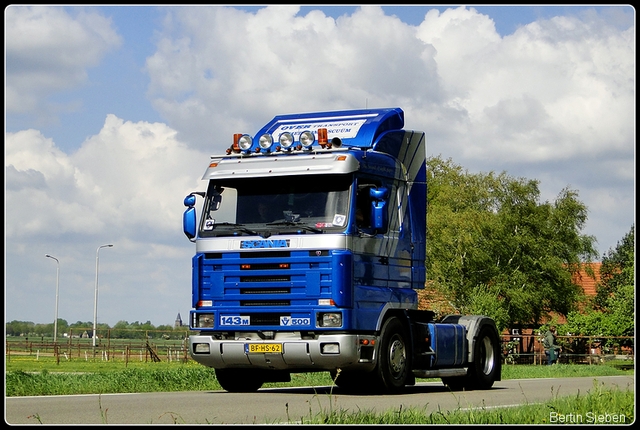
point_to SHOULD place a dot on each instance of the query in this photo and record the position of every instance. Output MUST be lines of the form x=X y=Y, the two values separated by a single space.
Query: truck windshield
x=304 y=203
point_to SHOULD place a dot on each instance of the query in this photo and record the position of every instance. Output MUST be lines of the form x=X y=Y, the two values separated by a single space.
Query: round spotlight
x=265 y=141
x=245 y=142
x=307 y=138
x=286 y=140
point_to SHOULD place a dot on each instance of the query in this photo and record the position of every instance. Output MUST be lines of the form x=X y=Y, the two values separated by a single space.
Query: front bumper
x=322 y=352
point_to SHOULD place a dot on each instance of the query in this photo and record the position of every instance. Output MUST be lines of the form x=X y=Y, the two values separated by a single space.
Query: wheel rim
x=486 y=356
x=397 y=356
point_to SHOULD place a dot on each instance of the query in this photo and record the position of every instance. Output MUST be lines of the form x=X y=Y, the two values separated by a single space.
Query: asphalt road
x=282 y=404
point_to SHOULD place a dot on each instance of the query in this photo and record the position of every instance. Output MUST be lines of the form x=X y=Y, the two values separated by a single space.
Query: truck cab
x=310 y=247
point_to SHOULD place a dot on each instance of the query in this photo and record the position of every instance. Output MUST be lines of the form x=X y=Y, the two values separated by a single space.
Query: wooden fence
x=151 y=345
x=528 y=349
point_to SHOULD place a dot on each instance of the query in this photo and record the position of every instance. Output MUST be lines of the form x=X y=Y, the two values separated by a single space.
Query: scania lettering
x=264 y=244
x=309 y=251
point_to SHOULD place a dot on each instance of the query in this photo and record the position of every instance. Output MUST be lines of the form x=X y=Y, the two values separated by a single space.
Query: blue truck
x=310 y=249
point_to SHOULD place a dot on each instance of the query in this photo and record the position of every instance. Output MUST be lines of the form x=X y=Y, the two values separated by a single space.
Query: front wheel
x=393 y=367
x=239 y=380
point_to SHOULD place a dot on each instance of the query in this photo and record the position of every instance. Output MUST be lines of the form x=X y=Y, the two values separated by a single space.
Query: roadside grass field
x=27 y=376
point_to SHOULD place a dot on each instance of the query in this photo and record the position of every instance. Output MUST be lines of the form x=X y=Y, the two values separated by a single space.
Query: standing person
x=551 y=348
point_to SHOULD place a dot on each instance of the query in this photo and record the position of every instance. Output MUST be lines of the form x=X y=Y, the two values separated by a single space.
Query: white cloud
x=555 y=89
x=218 y=70
x=129 y=175
x=48 y=50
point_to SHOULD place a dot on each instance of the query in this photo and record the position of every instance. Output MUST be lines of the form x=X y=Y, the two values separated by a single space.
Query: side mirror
x=189 y=222
x=379 y=209
x=190 y=201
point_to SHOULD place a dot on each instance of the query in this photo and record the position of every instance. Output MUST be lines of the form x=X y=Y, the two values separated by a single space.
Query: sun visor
x=285 y=165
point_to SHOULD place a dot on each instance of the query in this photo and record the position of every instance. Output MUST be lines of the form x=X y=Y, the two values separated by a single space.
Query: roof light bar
x=243 y=143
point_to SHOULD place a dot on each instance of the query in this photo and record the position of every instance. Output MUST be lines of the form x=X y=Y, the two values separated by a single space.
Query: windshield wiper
x=239 y=227
x=299 y=224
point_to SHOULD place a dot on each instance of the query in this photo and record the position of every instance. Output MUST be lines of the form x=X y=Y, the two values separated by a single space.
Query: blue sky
x=112 y=112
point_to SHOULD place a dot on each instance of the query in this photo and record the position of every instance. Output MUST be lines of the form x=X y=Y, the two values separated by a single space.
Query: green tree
x=19 y=328
x=617 y=272
x=494 y=248
x=613 y=310
x=118 y=330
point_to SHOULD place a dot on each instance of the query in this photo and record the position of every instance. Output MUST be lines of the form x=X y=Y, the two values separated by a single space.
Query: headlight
x=329 y=319
x=205 y=321
x=307 y=138
x=265 y=141
x=286 y=140
x=245 y=142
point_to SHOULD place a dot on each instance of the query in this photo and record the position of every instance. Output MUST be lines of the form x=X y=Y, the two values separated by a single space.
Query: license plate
x=256 y=348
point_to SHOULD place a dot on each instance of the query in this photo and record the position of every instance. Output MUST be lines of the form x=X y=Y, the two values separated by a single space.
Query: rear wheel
x=239 y=380
x=485 y=368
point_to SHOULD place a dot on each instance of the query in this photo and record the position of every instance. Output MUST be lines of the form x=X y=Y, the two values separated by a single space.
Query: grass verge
x=598 y=406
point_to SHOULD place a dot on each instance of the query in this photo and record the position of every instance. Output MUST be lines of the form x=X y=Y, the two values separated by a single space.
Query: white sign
x=234 y=320
x=289 y=321
x=344 y=129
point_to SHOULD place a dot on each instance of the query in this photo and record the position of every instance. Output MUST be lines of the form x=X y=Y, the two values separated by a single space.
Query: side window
x=364 y=203
x=363 y=207
x=220 y=207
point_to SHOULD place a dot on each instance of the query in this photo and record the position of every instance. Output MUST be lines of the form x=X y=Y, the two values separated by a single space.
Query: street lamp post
x=95 y=299
x=55 y=322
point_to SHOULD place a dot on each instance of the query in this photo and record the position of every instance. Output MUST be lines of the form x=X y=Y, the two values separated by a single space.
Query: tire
x=239 y=380
x=393 y=368
x=486 y=365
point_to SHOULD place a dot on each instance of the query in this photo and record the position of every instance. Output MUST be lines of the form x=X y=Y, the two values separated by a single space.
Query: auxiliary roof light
x=265 y=141
x=234 y=146
x=322 y=138
x=286 y=140
x=244 y=143
x=307 y=138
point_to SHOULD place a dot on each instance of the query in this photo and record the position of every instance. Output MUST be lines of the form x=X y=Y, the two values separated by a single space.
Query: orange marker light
x=322 y=137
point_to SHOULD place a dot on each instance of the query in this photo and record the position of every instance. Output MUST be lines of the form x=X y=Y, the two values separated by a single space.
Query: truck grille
x=284 y=290
x=264 y=281
x=265 y=302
